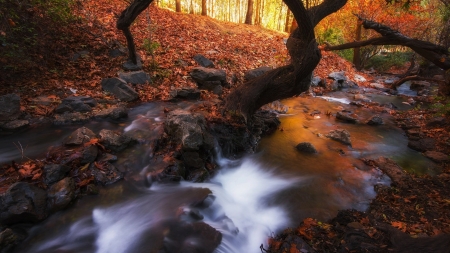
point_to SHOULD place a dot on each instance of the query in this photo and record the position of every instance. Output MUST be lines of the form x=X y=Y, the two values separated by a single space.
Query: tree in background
x=249 y=15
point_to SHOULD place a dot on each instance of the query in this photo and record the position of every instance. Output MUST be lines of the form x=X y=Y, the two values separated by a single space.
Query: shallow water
x=252 y=198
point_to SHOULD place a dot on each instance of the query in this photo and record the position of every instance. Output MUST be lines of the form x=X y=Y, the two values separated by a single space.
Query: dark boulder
x=254 y=73
x=202 y=75
x=340 y=135
x=135 y=77
x=9 y=107
x=61 y=194
x=198 y=175
x=203 y=61
x=186 y=93
x=306 y=147
x=437 y=156
x=114 y=113
x=23 y=202
x=70 y=118
x=193 y=160
x=54 y=172
x=119 y=89
x=76 y=104
x=79 y=136
x=186 y=128
x=15 y=125
x=338 y=76
x=375 y=120
x=197 y=237
x=422 y=145
x=115 y=141
x=107 y=173
x=347 y=117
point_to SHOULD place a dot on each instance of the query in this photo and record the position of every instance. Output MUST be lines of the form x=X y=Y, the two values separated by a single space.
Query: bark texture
x=126 y=18
x=292 y=79
x=436 y=54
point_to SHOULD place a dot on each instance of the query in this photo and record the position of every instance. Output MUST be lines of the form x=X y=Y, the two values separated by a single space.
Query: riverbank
x=404 y=205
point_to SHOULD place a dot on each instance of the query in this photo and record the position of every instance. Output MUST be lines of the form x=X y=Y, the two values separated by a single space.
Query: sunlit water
x=252 y=198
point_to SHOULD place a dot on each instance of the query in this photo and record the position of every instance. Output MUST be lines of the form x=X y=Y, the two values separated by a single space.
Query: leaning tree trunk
x=436 y=54
x=126 y=18
x=249 y=15
x=292 y=79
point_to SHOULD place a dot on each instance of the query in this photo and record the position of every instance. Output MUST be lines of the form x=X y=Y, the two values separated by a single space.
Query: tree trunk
x=204 y=13
x=357 y=51
x=191 y=7
x=436 y=54
x=288 y=18
x=249 y=16
x=292 y=79
x=178 y=5
x=126 y=18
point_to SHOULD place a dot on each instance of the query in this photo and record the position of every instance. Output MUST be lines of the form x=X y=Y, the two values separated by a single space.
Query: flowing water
x=250 y=199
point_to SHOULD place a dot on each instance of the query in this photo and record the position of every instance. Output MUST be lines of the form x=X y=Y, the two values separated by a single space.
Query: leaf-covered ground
x=74 y=57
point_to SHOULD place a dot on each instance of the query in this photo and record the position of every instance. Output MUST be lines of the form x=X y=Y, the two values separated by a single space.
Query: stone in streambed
x=340 y=135
x=79 y=136
x=306 y=147
x=61 y=194
x=22 y=202
x=375 y=120
x=54 y=172
x=437 y=156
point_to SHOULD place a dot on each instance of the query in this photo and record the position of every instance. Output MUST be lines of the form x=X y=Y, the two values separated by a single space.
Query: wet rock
x=340 y=135
x=306 y=147
x=186 y=93
x=359 y=78
x=116 y=52
x=198 y=175
x=79 y=136
x=360 y=97
x=76 y=104
x=202 y=75
x=54 y=172
x=114 y=113
x=276 y=106
x=115 y=141
x=89 y=154
x=70 y=118
x=135 y=77
x=197 y=237
x=119 y=89
x=177 y=169
x=315 y=81
x=193 y=160
x=422 y=145
x=22 y=202
x=9 y=107
x=347 y=117
x=61 y=194
x=338 y=76
x=130 y=66
x=108 y=174
x=15 y=125
x=391 y=169
x=295 y=243
x=203 y=61
x=375 y=120
x=437 y=156
x=437 y=122
x=107 y=157
x=254 y=73
x=8 y=240
x=186 y=128
x=377 y=86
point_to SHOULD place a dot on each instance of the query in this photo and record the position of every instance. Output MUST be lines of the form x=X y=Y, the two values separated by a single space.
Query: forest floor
x=167 y=43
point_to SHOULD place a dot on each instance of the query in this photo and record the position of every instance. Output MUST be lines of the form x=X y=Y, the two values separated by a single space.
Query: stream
x=248 y=200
